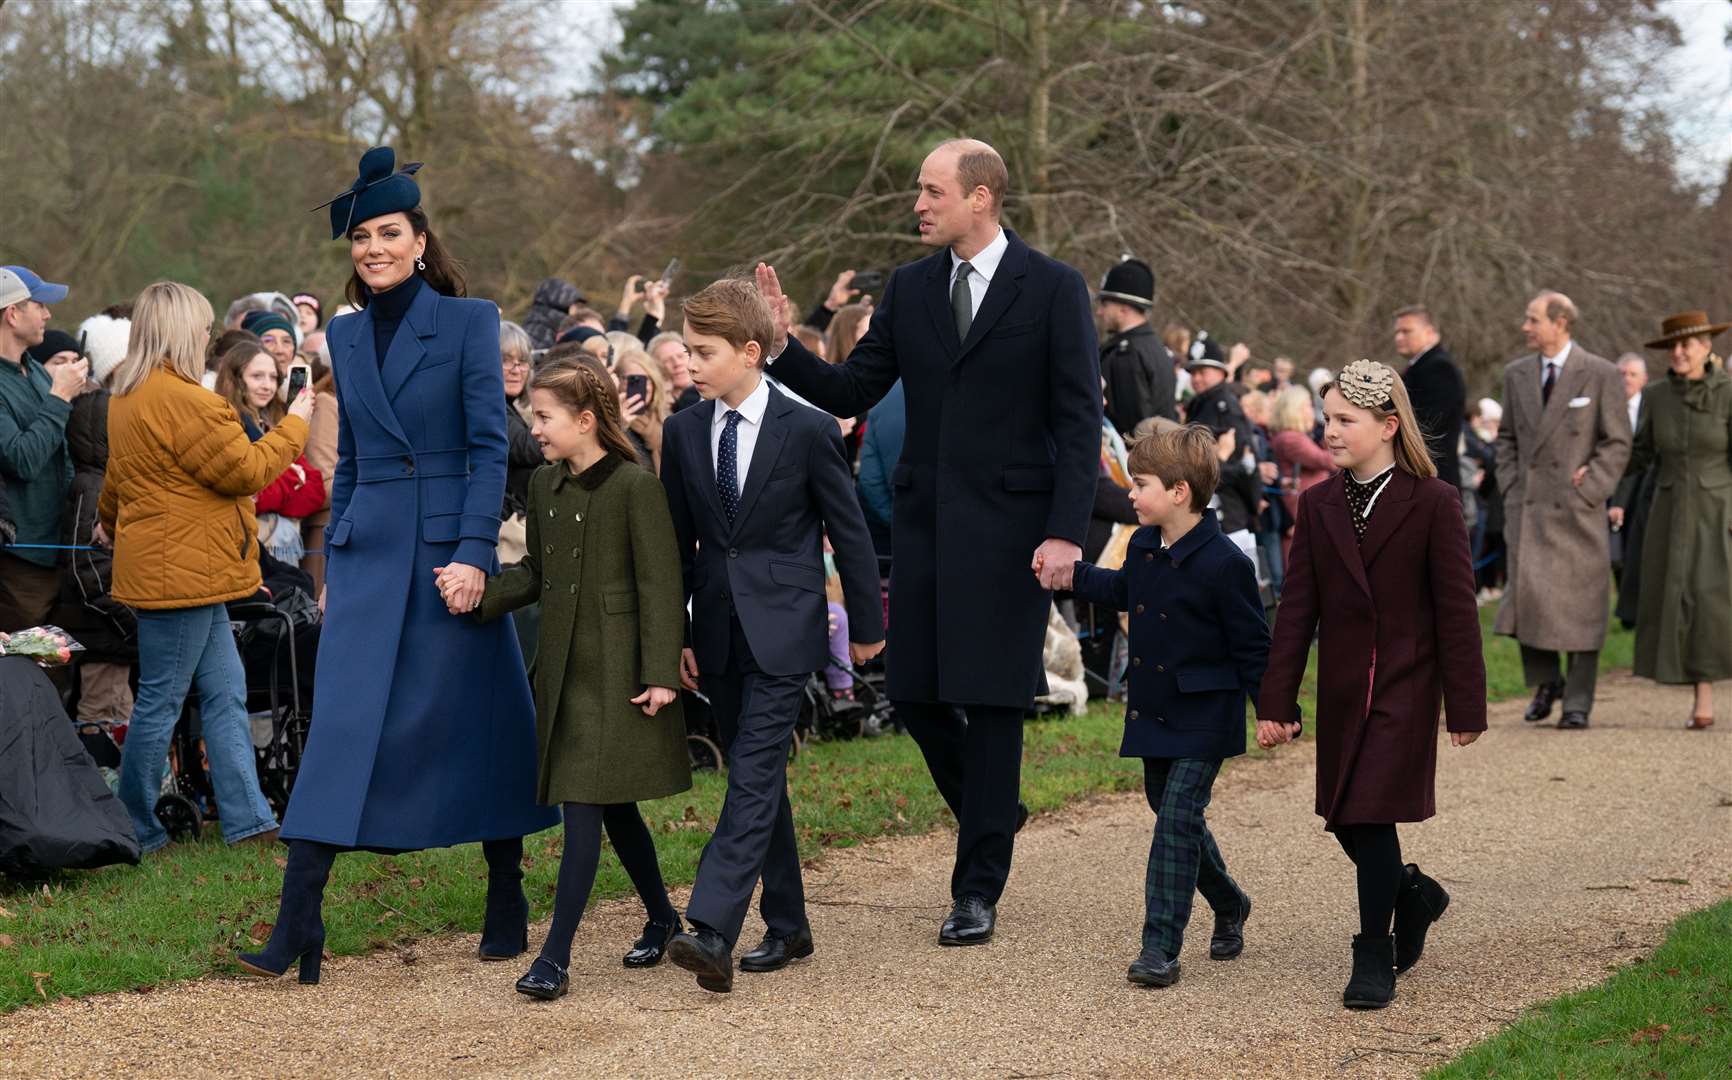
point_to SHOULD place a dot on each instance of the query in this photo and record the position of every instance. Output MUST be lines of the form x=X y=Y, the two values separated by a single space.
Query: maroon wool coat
x=1397 y=635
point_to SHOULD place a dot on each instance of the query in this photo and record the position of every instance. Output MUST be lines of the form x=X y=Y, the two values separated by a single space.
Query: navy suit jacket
x=1199 y=640
x=1001 y=451
x=768 y=566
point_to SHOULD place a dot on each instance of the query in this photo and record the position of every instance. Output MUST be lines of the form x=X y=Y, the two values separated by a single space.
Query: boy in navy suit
x=1199 y=644
x=755 y=482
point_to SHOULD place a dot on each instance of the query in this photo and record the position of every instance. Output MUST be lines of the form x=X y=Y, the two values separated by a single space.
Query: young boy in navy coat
x=755 y=482
x=1199 y=644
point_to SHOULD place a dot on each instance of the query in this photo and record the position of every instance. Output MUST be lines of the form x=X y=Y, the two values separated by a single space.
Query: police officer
x=1137 y=368
x=1216 y=407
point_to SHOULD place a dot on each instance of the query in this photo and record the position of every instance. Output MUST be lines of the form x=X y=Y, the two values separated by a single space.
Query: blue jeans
x=176 y=648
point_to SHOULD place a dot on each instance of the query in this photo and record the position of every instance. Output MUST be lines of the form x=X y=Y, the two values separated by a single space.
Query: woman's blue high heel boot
x=299 y=935
x=505 y=927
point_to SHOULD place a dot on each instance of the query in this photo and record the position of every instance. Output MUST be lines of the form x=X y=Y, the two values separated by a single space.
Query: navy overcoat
x=1199 y=641
x=423 y=729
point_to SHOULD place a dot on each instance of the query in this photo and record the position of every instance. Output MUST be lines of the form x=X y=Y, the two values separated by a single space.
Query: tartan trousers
x=1183 y=858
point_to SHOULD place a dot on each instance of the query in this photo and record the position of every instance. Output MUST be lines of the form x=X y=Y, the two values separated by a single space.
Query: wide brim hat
x=377 y=190
x=1686 y=324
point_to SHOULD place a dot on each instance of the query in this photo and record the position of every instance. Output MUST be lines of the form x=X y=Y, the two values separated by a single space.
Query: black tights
x=631 y=841
x=1376 y=851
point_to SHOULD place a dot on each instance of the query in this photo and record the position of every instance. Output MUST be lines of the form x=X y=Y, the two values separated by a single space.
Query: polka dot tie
x=728 y=466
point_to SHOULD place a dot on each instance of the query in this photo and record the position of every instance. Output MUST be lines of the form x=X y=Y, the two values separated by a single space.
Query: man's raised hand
x=770 y=288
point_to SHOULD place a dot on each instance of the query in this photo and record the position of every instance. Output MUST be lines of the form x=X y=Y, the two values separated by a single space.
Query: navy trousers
x=754 y=836
x=977 y=764
x=1183 y=858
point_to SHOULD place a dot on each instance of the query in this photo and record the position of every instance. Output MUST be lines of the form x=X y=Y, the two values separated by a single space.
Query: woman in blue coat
x=423 y=729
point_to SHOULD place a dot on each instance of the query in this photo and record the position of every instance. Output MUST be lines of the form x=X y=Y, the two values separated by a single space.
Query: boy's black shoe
x=704 y=954
x=653 y=945
x=971 y=922
x=1373 y=983
x=1545 y=696
x=775 y=953
x=1420 y=903
x=1153 y=969
x=1229 y=937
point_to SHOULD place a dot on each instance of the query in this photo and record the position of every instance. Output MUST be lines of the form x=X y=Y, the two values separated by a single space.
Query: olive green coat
x=602 y=561
x=1684 y=612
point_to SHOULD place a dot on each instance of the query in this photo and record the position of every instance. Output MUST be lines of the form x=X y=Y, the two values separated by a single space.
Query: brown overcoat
x=1560 y=583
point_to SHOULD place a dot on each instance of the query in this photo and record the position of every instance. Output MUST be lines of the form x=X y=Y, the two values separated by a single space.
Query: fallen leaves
x=259 y=932
x=5 y=941
x=40 y=977
x=1651 y=1034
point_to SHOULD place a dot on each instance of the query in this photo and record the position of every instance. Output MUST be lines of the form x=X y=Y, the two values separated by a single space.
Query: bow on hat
x=377 y=190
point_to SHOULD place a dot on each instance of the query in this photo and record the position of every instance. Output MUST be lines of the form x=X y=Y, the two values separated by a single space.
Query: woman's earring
x=419 y=265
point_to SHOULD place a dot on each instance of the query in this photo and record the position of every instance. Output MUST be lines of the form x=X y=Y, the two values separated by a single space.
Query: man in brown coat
x=1562 y=447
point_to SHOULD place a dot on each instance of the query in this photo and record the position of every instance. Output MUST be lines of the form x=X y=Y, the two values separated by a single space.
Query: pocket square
x=1579 y=402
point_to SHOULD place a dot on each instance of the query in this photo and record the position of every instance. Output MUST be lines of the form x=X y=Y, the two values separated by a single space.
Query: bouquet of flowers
x=49 y=646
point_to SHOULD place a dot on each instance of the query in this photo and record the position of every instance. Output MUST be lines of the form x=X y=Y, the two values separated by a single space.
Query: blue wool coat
x=423 y=729
x=1199 y=640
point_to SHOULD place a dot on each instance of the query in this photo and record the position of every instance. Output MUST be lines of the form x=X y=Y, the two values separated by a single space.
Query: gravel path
x=1566 y=853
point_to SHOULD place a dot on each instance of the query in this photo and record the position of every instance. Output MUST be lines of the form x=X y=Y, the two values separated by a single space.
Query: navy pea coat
x=1199 y=641
x=1001 y=452
x=423 y=728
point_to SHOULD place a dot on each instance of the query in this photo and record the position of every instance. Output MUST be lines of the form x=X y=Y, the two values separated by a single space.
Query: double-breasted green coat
x=602 y=561
x=1684 y=609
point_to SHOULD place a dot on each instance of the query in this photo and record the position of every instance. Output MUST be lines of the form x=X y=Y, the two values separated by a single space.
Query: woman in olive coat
x=603 y=564
x=1684 y=612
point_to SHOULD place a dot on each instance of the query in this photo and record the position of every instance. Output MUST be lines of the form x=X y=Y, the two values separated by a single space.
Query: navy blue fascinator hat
x=377 y=190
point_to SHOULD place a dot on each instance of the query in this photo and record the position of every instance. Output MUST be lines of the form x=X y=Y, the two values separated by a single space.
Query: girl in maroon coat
x=1380 y=575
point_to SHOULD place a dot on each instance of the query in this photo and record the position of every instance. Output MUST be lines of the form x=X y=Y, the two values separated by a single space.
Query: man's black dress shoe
x=1153 y=969
x=1021 y=815
x=706 y=955
x=650 y=948
x=970 y=922
x=544 y=981
x=1573 y=720
x=1229 y=937
x=774 y=953
x=1545 y=696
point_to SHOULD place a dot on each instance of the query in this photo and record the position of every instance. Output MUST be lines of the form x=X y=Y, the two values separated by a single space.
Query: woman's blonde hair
x=1411 y=456
x=661 y=406
x=170 y=325
x=1294 y=411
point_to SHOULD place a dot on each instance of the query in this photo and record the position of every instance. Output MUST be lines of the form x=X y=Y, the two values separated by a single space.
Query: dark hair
x=580 y=383
x=228 y=339
x=444 y=273
x=1186 y=454
x=233 y=388
x=122 y=310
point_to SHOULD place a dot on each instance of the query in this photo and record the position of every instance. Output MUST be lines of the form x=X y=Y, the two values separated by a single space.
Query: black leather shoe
x=1021 y=815
x=1229 y=937
x=706 y=955
x=1573 y=721
x=1373 y=983
x=544 y=981
x=650 y=948
x=775 y=953
x=970 y=922
x=1420 y=903
x=1545 y=696
x=1153 y=969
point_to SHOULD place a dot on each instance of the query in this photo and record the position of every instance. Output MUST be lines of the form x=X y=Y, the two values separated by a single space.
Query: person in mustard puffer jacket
x=178 y=505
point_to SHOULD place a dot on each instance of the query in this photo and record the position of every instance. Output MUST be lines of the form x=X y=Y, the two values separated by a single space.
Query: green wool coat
x=603 y=563
x=1684 y=612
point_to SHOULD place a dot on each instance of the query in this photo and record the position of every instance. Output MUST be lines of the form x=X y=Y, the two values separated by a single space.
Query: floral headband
x=1366 y=383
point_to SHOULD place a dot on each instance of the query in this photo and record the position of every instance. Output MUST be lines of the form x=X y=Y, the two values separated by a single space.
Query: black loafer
x=1573 y=721
x=775 y=953
x=971 y=922
x=706 y=955
x=1545 y=696
x=544 y=981
x=1228 y=940
x=653 y=945
x=1153 y=969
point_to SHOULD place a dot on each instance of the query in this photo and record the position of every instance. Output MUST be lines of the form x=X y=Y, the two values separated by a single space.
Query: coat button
x=550 y=549
x=1163 y=616
x=1148 y=556
x=577 y=553
x=733 y=553
x=574 y=590
x=1139 y=609
x=1160 y=667
x=1160 y=719
x=1136 y=661
x=1133 y=715
x=551 y=513
x=548 y=585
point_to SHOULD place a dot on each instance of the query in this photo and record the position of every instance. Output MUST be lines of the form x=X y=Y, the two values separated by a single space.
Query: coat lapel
x=1338 y=523
x=938 y=304
x=359 y=371
x=1005 y=288
x=1571 y=379
x=772 y=433
x=407 y=351
x=1387 y=515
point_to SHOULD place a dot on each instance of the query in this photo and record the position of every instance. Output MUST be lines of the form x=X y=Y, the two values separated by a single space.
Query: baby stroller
x=704 y=735
x=863 y=712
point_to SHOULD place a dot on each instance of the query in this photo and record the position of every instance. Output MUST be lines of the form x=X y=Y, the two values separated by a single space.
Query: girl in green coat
x=603 y=564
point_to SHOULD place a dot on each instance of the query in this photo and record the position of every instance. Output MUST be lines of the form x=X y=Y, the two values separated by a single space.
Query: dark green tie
x=962 y=302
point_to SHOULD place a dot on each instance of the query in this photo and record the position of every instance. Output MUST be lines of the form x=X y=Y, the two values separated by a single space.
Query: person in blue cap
x=423 y=728
x=34 y=463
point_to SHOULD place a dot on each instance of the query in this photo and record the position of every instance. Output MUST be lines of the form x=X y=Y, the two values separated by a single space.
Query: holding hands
x=1055 y=564
x=460 y=586
x=1271 y=733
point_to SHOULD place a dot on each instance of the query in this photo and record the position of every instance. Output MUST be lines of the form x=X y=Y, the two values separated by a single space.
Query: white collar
x=1367 y=483
x=751 y=410
x=1563 y=354
x=985 y=262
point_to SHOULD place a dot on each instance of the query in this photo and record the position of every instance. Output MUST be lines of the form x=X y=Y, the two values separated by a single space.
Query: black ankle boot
x=505 y=927
x=1420 y=903
x=299 y=935
x=1373 y=983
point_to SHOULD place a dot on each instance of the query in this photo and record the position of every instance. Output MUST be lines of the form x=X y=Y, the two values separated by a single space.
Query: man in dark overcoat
x=1435 y=387
x=995 y=348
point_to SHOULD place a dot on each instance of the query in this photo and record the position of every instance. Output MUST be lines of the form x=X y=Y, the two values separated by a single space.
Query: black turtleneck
x=389 y=307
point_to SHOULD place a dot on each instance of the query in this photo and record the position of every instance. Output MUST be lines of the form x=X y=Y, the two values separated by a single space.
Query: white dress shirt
x=751 y=413
x=983 y=266
x=1563 y=354
x=1635 y=408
